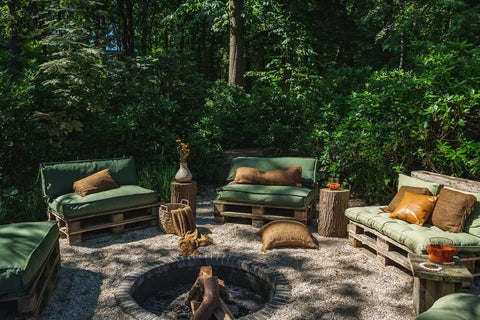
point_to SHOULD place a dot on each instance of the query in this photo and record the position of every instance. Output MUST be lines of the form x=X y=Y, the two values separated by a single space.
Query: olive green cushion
x=411 y=235
x=58 y=177
x=404 y=180
x=455 y=306
x=71 y=205
x=268 y=195
x=24 y=247
x=309 y=166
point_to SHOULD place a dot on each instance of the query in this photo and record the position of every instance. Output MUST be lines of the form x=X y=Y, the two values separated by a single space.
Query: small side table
x=332 y=204
x=184 y=190
x=428 y=285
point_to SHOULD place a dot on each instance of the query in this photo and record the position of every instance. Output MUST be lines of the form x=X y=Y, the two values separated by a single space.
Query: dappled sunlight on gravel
x=334 y=282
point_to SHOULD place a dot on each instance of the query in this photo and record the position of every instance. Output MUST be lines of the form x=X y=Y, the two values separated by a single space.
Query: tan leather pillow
x=280 y=177
x=399 y=196
x=100 y=181
x=280 y=233
x=452 y=209
x=414 y=208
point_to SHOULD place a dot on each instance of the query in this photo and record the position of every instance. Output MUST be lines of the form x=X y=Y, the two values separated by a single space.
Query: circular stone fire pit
x=158 y=292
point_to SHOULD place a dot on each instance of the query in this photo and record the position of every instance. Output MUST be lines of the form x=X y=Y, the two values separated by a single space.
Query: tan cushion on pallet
x=452 y=209
x=280 y=177
x=414 y=208
x=281 y=233
x=399 y=196
x=100 y=181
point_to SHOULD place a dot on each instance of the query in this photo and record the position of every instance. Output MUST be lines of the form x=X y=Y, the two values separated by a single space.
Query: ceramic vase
x=183 y=174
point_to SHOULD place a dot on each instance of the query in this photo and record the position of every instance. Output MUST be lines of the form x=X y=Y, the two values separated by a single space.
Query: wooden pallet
x=257 y=214
x=388 y=252
x=75 y=229
x=31 y=304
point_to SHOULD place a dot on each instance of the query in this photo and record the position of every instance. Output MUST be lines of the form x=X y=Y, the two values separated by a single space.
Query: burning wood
x=207 y=297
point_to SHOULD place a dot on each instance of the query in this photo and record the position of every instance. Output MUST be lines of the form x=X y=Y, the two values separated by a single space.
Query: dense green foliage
x=370 y=88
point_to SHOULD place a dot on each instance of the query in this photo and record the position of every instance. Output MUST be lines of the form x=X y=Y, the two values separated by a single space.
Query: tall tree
x=125 y=10
x=236 y=67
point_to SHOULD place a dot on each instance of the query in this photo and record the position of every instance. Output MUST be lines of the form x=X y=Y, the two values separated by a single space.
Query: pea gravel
x=334 y=282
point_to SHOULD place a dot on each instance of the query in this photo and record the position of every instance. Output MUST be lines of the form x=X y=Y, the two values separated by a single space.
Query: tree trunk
x=145 y=28
x=125 y=10
x=237 y=44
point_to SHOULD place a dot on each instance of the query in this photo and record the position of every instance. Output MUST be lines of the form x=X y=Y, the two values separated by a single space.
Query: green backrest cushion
x=404 y=180
x=309 y=166
x=58 y=177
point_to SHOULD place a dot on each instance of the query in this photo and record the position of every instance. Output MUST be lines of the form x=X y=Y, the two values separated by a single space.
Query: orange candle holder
x=440 y=250
x=334 y=184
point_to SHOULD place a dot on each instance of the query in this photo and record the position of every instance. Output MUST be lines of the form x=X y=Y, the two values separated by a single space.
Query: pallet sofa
x=29 y=267
x=259 y=204
x=111 y=209
x=389 y=241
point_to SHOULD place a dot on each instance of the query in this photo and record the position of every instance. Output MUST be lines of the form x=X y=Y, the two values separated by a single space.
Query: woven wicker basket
x=165 y=215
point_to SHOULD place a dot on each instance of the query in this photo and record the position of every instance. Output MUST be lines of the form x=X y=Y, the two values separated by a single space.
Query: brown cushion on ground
x=280 y=177
x=281 y=233
x=399 y=196
x=452 y=209
x=414 y=208
x=100 y=181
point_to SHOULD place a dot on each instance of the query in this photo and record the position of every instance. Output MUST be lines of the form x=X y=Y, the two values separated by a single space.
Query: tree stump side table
x=429 y=286
x=332 y=204
x=184 y=190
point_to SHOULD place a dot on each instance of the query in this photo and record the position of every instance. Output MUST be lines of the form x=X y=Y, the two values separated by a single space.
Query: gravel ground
x=335 y=282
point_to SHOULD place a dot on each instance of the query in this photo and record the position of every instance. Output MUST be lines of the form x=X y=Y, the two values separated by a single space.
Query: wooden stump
x=332 y=221
x=184 y=190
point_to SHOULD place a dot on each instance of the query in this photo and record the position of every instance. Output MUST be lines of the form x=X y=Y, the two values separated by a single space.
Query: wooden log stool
x=429 y=285
x=184 y=190
x=332 y=221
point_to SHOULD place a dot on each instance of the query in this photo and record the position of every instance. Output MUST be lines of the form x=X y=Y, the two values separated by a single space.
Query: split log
x=211 y=297
x=207 y=297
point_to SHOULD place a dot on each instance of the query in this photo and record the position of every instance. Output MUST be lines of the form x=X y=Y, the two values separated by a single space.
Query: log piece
x=184 y=190
x=211 y=298
x=332 y=221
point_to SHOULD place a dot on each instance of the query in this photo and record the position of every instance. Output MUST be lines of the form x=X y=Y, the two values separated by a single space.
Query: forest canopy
x=369 y=88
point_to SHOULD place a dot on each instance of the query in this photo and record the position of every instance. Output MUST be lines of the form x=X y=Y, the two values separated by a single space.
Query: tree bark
x=237 y=44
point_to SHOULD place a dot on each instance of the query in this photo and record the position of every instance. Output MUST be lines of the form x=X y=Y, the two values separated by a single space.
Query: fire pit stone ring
x=141 y=283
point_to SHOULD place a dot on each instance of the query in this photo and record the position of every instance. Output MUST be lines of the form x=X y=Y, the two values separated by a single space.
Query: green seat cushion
x=72 y=205
x=455 y=306
x=24 y=247
x=411 y=235
x=267 y=195
x=58 y=177
x=309 y=166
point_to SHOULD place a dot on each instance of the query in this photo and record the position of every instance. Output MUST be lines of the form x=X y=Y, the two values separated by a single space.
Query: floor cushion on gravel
x=455 y=306
x=29 y=265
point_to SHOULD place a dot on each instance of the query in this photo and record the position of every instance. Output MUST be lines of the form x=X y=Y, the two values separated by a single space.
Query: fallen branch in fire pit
x=207 y=297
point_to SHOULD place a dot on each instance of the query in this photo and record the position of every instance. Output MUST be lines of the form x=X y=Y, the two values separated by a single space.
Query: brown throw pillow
x=414 y=208
x=280 y=177
x=281 y=233
x=399 y=196
x=452 y=209
x=100 y=181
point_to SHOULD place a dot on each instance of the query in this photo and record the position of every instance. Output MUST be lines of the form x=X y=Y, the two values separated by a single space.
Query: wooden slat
x=259 y=213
